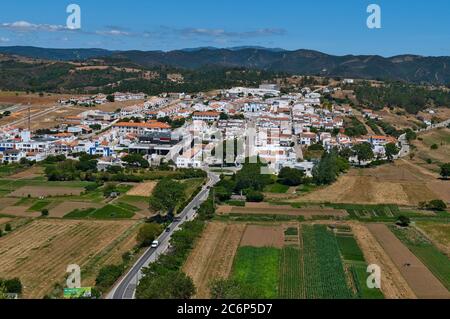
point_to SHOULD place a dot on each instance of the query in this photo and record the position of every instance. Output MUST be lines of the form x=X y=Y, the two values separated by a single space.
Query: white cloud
x=25 y=26
x=113 y=33
x=4 y=40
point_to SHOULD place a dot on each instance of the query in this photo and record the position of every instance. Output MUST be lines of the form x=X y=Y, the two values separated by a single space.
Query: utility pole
x=29 y=118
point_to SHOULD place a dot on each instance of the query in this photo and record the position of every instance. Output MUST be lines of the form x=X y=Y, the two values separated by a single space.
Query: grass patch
x=349 y=248
x=276 y=188
x=258 y=267
x=39 y=205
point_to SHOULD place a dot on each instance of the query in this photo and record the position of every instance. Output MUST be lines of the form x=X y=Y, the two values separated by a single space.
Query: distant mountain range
x=409 y=68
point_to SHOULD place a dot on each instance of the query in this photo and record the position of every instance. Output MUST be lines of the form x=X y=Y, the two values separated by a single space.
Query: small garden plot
x=291 y=274
x=359 y=277
x=349 y=248
x=263 y=236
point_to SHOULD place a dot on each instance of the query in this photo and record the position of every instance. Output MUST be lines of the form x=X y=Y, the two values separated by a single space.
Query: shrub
x=403 y=221
x=44 y=213
x=434 y=147
x=255 y=196
x=148 y=233
x=108 y=275
x=8 y=228
x=437 y=204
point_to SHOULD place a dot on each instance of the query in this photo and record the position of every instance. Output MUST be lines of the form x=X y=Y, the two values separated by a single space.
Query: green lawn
x=258 y=267
x=276 y=188
x=360 y=275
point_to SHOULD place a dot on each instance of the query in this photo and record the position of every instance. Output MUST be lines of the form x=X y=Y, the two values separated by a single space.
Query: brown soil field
x=213 y=255
x=438 y=233
x=263 y=236
x=30 y=173
x=399 y=183
x=142 y=189
x=267 y=209
x=33 y=99
x=393 y=285
x=64 y=208
x=19 y=211
x=424 y=284
x=38 y=191
x=5 y=202
x=39 y=252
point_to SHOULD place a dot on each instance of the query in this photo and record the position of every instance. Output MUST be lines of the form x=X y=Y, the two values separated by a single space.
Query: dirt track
x=424 y=284
x=213 y=255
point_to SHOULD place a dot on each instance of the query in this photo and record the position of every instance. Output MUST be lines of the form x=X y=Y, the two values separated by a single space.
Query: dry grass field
x=213 y=255
x=438 y=233
x=399 y=183
x=142 y=189
x=263 y=236
x=33 y=172
x=38 y=253
x=424 y=153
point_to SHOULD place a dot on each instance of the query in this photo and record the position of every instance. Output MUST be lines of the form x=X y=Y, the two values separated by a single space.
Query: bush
x=44 y=213
x=148 y=233
x=13 y=286
x=403 y=221
x=8 y=228
x=434 y=147
x=437 y=204
x=108 y=275
x=255 y=196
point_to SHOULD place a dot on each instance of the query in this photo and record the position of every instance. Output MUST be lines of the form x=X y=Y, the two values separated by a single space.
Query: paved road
x=405 y=147
x=126 y=287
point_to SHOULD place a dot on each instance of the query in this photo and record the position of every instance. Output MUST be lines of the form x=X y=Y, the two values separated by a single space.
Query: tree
x=437 y=205
x=136 y=160
x=391 y=151
x=168 y=285
x=434 y=147
x=8 y=227
x=403 y=221
x=291 y=177
x=108 y=275
x=363 y=152
x=255 y=196
x=13 y=286
x=110 y=98
x=44 y=212
x=148 y=233
x=167 y=195
x=445 y=171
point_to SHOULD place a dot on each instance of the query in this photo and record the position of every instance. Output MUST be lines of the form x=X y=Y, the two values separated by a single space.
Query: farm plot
x=213 y=254
x=439 y=233
x=18 y=211
x=142 y=189
x=398 y=183
x=64 y=208
x=263 y=236
x=39 y=191
x=38 y=253
x=437 y=262
x=424 y=284
x=280 y=210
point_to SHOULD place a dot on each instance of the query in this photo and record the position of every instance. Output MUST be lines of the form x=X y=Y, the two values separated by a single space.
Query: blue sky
x=331 y=26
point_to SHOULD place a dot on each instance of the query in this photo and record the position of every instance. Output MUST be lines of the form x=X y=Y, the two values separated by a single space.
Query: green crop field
x=349 y=248
x=291 y=274
x=39 y=205
x=258 y=267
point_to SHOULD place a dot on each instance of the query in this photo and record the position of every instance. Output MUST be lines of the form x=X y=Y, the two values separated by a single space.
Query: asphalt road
x=126 y=287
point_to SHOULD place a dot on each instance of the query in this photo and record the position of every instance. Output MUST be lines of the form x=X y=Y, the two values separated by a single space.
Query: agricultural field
x=39 y=252
x=422 y=280
x=436 y=261
x=401 y=183
x=288 y=261
x=439 y=234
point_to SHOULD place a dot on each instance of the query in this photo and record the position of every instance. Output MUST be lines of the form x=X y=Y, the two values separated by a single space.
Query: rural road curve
x=126 y=287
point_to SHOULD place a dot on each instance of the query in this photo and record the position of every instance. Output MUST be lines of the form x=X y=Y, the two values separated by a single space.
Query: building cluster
x=192 y=131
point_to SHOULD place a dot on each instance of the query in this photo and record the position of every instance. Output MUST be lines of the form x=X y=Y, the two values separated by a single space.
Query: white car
x=155 y=244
